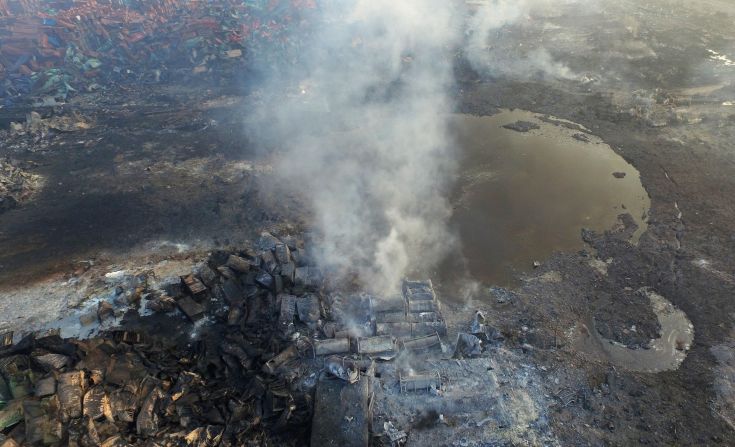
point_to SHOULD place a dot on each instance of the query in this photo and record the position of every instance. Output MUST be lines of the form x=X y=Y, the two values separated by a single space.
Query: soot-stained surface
x=650 y=90
x=162 y=168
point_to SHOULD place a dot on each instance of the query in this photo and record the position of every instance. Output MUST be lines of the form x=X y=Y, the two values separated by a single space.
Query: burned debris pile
x=238 y=382
x=255 y=347
x=259 y=347
x=55 y=49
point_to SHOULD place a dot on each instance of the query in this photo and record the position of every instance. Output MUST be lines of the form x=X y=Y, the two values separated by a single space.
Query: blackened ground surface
x=101 y=196
x=693 y=173
x=684 y=154
x=159 y=165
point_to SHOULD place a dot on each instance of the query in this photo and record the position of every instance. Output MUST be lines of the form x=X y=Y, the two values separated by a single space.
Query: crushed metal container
x=402 y=329
x=307 y=276
x=238 y=264
x=375 y=345
x=428 y=328
x=268 y=262
x=282 y=253
x=45 y=387
x=390 y=304
x=146 y=424
x=288 y=354
x=420 y=382
x=193 y=284
x=191 y=308
x=52 y=361
x=423 y=317
x=264 y=279
x=287 y=311
x=16 y=370
x=419 y=290
x=390 y=317
x=70 y=394
x=11 y=414
x=332 y=346
x=307 y=308
x=41 y=427
x=421 y=343
x=288 y=270
x=420 y=306
x=96 y=404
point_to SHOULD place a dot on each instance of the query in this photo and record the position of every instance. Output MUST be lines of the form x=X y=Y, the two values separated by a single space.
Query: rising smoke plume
x=488 y=57
x=364 y=138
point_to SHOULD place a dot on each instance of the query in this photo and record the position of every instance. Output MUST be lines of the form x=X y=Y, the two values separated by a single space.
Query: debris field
x=273 y=359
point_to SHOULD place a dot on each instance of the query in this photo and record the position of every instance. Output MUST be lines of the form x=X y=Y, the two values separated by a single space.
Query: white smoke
x=365 y=137
x=522 y=60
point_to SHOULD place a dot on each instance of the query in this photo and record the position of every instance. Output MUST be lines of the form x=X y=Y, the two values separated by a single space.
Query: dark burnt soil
x=159 y=163
x=614 y=326
x=154 y=166
x=624 y=408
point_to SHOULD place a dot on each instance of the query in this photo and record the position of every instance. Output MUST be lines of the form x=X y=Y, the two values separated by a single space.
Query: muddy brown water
x=522 y=196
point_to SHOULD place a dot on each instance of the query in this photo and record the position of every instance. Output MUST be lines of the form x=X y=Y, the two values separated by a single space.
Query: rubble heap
x=264 y=333
x=252 y=349
x=54 y=49
x=238 y=382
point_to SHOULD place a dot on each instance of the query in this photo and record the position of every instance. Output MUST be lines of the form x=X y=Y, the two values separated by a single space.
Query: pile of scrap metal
x=415 y=314
x=363 y=328
x=236 y=379
x=246 y=350
x=363 y=337
x=54 y=49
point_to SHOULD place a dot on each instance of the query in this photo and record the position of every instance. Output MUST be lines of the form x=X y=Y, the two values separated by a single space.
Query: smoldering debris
x=241 y=380
x=370 y=147
x=488 y=21
x=468 y=346
x=342 y=368
x=257 y=364
x=427 y=381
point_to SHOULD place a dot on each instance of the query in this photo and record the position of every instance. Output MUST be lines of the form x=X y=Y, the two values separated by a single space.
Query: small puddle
x=664 y=353
x=522 y=196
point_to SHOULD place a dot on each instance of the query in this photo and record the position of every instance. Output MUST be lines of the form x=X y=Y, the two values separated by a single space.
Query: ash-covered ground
x=618 y=342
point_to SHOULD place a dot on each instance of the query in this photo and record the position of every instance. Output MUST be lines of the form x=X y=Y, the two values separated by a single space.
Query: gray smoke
x=487 y=54
x=364 y=136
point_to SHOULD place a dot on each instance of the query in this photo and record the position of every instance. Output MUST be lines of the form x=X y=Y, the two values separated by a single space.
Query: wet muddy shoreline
x=526 y=193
